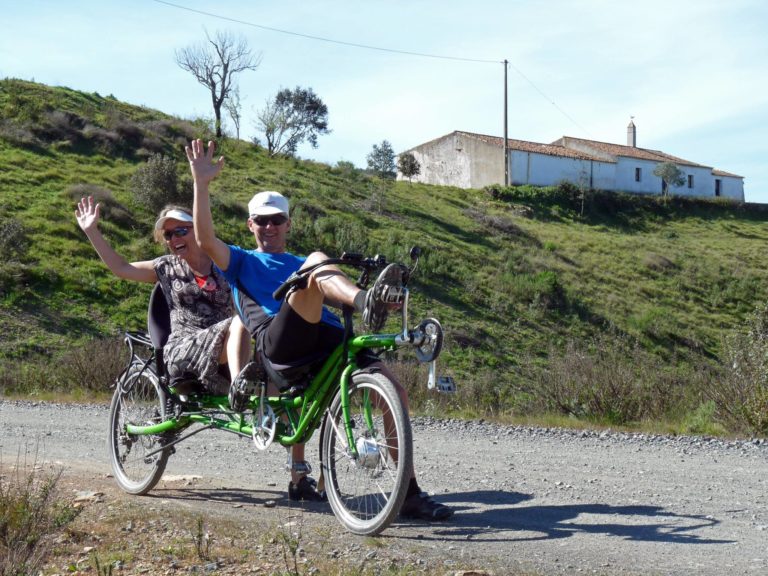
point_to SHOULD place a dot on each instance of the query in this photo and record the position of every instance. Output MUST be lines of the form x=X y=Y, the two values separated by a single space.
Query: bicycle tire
x=138 y=399
x=366 y=492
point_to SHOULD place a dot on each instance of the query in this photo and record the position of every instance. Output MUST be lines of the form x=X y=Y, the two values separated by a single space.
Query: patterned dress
x=200 y=318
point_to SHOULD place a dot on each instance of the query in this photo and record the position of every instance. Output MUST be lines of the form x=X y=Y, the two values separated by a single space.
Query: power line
x=547 y=98
x=379 y=49
x=329 y=40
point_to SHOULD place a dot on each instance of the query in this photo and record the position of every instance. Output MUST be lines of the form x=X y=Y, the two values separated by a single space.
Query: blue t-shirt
x=260 y=274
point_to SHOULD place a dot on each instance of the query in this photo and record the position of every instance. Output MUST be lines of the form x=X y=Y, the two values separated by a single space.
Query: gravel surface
x=544 y=501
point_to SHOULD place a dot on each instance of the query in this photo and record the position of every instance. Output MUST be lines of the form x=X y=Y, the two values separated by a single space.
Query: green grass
x=512 y=273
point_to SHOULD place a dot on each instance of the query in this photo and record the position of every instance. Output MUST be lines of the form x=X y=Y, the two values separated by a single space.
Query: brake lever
x=282 y=290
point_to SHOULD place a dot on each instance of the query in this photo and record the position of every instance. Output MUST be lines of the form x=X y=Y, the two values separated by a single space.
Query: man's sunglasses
x=275 y=219
x=176 y=232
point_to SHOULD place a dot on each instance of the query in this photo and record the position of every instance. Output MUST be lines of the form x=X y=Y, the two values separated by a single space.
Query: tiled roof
x=525 y=146
x=625 y=151
x=716 y=172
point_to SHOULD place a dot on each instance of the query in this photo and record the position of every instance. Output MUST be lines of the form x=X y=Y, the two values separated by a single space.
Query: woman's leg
x=237 y=347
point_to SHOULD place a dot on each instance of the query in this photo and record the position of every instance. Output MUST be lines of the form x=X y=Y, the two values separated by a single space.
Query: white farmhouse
x=468 y=160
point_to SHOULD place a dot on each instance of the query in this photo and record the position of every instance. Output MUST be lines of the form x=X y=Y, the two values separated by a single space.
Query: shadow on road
x=492 y=516
x=235 y=497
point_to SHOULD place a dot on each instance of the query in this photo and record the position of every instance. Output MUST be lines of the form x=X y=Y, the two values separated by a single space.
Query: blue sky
x=691 y=72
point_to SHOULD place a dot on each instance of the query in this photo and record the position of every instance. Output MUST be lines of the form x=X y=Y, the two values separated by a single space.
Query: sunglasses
x=274 y=219
x=176 y=232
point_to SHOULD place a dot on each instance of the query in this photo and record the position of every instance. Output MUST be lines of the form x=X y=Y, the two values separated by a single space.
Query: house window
x=690 y=180
x=638 y=174
x=718 y=185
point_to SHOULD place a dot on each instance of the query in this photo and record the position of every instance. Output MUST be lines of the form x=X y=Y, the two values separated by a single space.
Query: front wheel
x=366 y=485
x=138 y=399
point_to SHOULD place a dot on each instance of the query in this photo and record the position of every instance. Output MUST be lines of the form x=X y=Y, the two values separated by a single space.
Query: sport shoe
x=386 y=293
x=306 y=490
x=421 y=507
x=244 y=386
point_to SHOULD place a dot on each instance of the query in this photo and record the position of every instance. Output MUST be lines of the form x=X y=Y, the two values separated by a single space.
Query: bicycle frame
x=303 y=412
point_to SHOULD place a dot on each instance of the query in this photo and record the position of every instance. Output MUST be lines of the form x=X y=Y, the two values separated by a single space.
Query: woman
x=203 y=333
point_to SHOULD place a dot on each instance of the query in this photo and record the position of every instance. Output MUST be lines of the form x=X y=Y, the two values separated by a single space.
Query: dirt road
x=537 y=500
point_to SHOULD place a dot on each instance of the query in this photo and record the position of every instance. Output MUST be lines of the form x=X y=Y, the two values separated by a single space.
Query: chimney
x=631 y=133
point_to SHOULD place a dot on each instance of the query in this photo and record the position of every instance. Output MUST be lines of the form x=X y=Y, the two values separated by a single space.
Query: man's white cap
x=267 y=203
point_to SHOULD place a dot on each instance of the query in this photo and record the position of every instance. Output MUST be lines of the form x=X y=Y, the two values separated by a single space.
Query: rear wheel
x=366 y=489
x=138 y=399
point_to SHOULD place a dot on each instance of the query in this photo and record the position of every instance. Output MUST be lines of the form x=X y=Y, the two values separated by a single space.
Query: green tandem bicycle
x=366 y=447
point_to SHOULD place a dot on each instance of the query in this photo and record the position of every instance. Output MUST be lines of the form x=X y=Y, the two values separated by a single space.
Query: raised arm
x=204 y=169
x=87 y=215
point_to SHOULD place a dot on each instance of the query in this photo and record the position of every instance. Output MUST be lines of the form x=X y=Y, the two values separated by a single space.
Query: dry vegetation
x=187 y=527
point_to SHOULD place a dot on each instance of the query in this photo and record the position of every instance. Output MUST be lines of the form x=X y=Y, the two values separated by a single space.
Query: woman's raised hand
x=87 y=213
x=201 y=163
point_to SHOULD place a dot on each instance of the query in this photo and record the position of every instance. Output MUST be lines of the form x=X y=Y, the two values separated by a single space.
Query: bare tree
x=233 y=107
x=215 y=63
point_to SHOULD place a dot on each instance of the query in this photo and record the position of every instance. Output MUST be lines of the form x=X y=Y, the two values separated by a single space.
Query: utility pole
x=506 y=144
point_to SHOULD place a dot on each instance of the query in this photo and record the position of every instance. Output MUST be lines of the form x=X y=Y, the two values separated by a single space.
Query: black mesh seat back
x=158 y=318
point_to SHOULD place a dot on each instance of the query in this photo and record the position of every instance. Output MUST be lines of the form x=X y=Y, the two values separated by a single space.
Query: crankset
x=429 y=340
x=264 y=426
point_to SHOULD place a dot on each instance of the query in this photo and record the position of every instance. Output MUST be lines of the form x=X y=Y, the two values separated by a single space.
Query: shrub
x=495 y=191
x=652 y=322
x=347 y=169
x=61 y=125
x=93 y=365
x=18 y=134
x=110 y=210
x=31 y=512
x=377 y=198
x=14 y=241
x=541 y=289
x=608 y=379
x=156 y=184
x=658 y=263
x=105 y=141
x=742 y=395
x=130 y=133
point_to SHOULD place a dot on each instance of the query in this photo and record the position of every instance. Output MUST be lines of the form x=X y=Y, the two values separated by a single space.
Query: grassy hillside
x=518 y=276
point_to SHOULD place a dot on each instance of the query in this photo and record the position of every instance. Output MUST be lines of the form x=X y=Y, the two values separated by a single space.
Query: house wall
x=625 y=176
x=544 y=170
x=730 y=187
x=486 y=162
x=703 y=180
x=459 y=161
x=440 y=164
x=703 y=183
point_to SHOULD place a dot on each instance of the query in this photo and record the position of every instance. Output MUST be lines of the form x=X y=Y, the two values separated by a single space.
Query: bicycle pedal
x=245 y=385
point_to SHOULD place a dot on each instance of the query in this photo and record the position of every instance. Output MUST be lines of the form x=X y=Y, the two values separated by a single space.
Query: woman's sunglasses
x=275 y=219
x=176 y=232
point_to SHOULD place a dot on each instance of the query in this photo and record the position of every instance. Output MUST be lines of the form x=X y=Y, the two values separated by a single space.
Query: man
x=300 y=326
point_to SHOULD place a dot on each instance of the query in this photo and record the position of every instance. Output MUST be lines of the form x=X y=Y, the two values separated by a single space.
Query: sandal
x=385 y=293
x=306 y=490
x=421 y=507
